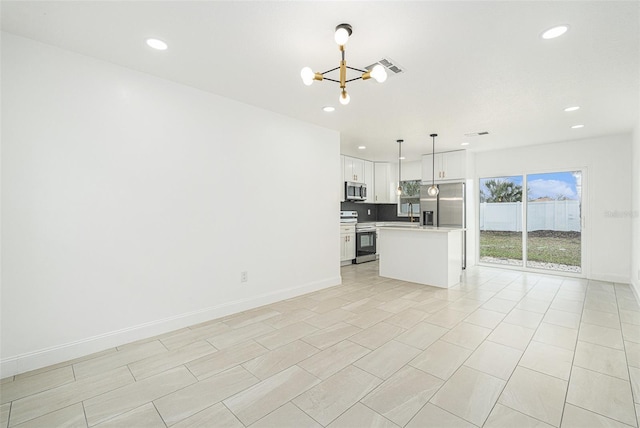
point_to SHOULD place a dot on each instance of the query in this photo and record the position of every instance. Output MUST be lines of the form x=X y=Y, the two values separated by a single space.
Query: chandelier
x=342 y=34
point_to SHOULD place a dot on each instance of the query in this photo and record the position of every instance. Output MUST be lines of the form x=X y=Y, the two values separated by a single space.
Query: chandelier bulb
x=307 y=75
x=379 y=73
x=341 y=36
x=344 y=98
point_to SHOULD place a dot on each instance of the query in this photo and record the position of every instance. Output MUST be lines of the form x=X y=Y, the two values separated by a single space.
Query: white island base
x=425 y=255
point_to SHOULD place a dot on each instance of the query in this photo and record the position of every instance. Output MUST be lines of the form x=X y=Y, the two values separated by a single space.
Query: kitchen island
x=425 y=255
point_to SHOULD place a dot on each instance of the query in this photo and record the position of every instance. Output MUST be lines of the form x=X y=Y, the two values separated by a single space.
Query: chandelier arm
x=356 y=69
x=331 y=80
x=329 y=71
x=351 y=80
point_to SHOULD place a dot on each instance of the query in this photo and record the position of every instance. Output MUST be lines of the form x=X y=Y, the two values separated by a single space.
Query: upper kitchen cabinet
x=448 y=166
x=358 y=171
x=382 y=183
x=354 y=169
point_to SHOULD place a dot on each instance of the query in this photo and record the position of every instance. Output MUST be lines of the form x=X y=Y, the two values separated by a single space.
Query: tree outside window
x=410 y=195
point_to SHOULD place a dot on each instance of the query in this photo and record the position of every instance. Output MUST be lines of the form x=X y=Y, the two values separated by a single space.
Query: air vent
x=389 y=64
x=476 y=134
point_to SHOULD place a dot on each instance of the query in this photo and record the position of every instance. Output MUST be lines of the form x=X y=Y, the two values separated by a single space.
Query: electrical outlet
x=368 y=212
x=244 y=276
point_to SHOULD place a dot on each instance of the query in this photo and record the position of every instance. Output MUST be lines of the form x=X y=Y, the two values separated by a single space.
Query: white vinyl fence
x=542 y=215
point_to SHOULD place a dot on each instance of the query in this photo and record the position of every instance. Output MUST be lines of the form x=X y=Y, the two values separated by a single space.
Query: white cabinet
x=382 y=172
x=448 y=166
x=347 y=243
x=454 y=165
x=354 y=169
x=358 y=171
x=369 y=181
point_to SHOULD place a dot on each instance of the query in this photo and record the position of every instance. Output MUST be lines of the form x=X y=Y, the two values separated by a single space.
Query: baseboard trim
x=18 y=364
x=620 y=279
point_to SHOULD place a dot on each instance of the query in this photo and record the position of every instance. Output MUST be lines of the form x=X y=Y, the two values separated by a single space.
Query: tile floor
x=503 y=349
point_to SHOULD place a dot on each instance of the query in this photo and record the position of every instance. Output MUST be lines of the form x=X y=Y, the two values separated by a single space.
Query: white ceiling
x=470 y=66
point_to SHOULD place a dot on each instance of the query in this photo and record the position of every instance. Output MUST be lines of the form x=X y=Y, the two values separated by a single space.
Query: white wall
x=131 y=204
x=635 y=212
x=606 y=193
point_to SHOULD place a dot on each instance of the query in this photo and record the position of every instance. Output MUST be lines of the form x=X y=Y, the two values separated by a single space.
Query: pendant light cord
x=399 y=162
x=433 y=161
x=399 y=167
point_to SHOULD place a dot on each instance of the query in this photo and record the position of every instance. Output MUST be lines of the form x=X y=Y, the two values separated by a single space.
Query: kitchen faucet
x=411 y=212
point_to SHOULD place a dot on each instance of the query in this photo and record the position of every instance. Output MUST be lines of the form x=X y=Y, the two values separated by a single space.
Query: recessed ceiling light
x=464 y=144
x=554 y=32
x=577 y=126
x=574 y=108
x=362 y=147
x=157 y=44
x=402 y=158
x=328 y=109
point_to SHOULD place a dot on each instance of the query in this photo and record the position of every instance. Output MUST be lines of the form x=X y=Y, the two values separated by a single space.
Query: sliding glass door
x=554 y=227
x=540 y=228
x=501 y=220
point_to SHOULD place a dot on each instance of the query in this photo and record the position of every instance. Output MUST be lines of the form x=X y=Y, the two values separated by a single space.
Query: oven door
x=365 y=245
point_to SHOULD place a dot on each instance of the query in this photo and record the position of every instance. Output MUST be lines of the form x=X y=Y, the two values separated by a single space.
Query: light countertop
x=423 y=228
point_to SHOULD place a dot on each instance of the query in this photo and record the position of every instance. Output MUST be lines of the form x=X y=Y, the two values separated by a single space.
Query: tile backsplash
x=373 y=212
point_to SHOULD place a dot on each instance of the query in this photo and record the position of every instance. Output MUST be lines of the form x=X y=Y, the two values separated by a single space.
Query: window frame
x=409 y=185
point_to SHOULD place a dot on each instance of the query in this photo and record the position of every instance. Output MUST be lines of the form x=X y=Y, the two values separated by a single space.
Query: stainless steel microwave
x=355 y=191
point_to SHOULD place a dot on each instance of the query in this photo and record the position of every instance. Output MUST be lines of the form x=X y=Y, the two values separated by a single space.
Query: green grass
x=502 y=245
x=543 y=246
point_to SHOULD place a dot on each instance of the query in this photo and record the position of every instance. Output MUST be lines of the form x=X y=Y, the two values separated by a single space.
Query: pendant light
x=433 y=189
x=399 y=190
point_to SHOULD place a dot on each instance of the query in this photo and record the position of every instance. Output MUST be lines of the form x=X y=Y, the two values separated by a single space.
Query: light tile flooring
x=503 y=349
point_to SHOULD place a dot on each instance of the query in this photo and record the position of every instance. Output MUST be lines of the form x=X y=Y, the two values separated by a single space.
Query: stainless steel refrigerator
x=445 y=210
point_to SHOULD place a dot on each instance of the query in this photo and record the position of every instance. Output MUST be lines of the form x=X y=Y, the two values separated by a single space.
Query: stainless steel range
x=365 y=242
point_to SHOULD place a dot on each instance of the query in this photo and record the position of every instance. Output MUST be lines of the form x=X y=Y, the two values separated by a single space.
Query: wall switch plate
x=244 y=276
